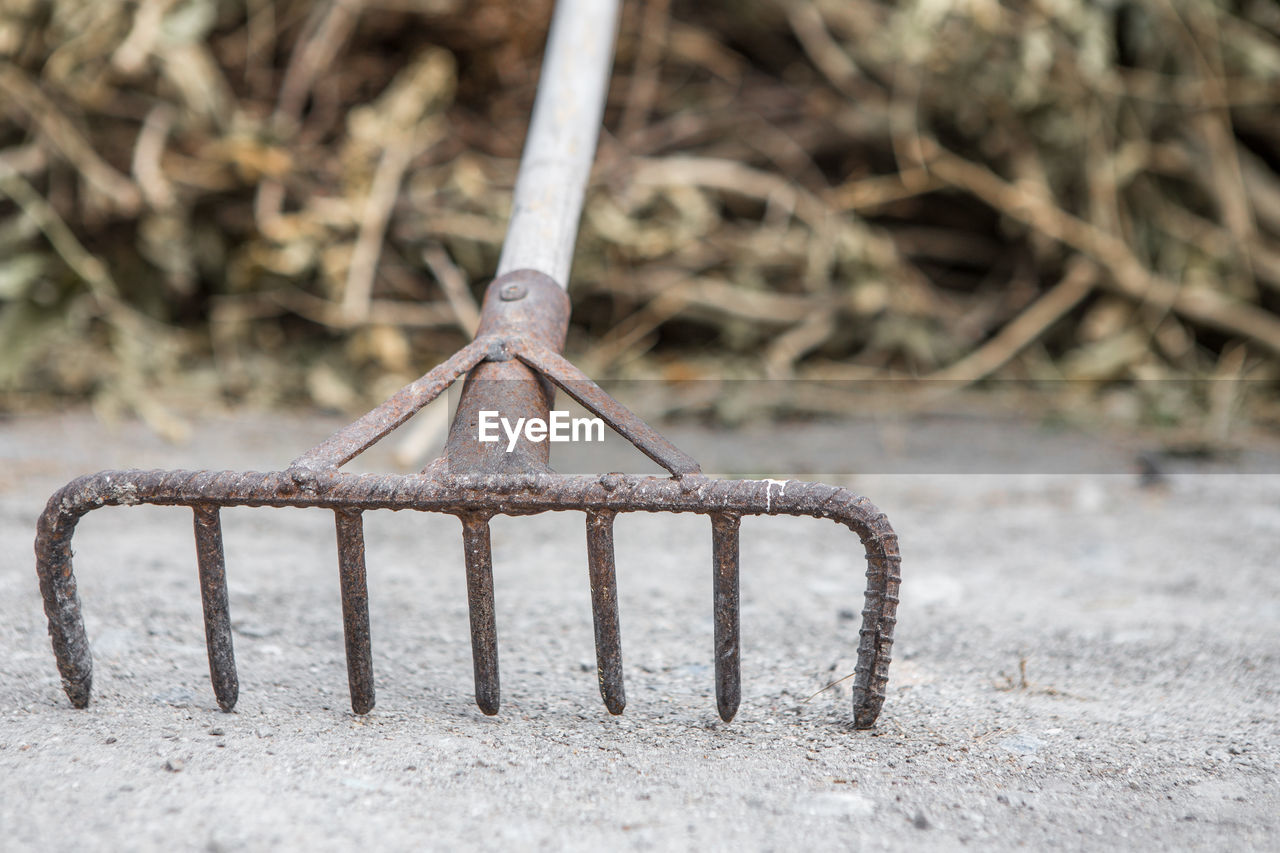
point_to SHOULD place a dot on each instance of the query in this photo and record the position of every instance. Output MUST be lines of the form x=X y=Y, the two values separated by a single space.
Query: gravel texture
x=1082 y=662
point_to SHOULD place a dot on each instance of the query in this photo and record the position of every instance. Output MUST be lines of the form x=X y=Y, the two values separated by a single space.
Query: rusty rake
x=513 y=366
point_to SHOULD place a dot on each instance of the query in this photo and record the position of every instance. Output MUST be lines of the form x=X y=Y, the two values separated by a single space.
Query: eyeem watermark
x=560 y=427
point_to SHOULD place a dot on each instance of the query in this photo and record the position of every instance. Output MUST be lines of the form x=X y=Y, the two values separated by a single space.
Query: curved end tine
x=355 y=608
x=604 y=610
x=62 y=601
x=217 y=615
x=724 y=555
x=484 y=630
x=879 y=618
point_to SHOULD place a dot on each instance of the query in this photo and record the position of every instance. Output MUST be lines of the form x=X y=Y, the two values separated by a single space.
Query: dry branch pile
x=277 y=200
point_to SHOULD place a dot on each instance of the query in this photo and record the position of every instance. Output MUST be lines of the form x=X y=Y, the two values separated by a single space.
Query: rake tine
x=213 y=595
x=484 y=630
x=724 y=554
x=355 y=608
x=604 y=610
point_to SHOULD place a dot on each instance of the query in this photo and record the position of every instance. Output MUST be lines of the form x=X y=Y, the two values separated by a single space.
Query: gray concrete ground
x=1081 y=663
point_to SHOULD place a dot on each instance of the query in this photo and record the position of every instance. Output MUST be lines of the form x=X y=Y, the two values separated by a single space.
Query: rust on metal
x=503 y=383
x=211 y=565
x=478 y=556
x=575 y=383
x=724 y=593
x=355 y=608
x=604 y=610
x=512 y=367
x=347 y=443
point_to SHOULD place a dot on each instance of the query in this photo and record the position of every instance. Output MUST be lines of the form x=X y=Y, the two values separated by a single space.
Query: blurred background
x=1073 y=205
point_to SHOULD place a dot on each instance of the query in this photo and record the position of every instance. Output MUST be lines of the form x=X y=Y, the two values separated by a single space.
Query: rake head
x=511 y=367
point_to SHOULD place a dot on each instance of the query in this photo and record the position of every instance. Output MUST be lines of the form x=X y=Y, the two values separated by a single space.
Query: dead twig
x=643 y=90
x=454 y=284
x=1079 y=282
x=828 y=57
x=785 y=350
x=381 y=312
x=1127 y=275
x=373 y=227
x=114 y=188
x=147 y=152
x=326 y=31
x=828 y=687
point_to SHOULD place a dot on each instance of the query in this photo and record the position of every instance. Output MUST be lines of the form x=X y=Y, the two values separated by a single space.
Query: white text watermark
x=559 y=427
